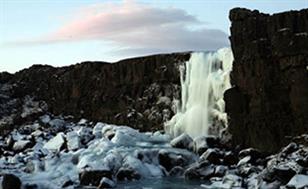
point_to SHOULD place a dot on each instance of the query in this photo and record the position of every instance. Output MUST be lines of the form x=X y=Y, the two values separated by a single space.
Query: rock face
x=135 y=92
x=269 y=100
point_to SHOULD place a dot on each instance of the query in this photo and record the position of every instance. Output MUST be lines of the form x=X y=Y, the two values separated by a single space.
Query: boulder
x=106 y=183
x=203 y=170
x=21 y=145
x=93 y=177
x=57 y=143
x=127 y=174
x=10 y=181
x=73 y=140
x=183 y=141
x=212 y=155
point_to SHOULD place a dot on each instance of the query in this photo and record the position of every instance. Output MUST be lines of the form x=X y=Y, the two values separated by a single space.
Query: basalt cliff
x=137 y=92
x=269 y=101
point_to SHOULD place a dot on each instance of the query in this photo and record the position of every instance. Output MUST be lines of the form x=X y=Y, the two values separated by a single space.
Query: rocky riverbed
x=56 y=152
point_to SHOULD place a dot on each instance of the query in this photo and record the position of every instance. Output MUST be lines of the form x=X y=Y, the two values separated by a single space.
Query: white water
x=204 y=78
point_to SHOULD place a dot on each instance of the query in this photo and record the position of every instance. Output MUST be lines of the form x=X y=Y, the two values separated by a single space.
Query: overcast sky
x=70 y=31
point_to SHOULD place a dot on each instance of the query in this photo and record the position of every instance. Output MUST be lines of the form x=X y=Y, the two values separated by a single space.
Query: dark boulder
x=127 y=174
x=203 y=170
x=11 y=181
x=93 y=177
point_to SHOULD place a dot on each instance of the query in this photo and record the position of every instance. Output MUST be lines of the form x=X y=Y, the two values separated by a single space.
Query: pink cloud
x=138 y=27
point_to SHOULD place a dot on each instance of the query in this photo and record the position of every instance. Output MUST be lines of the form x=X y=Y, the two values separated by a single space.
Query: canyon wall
x=269 y=101
x=137 y=92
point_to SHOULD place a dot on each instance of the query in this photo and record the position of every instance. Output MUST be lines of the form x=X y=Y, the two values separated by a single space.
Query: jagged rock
x=56 y=143
x=183 y=141
x=203 y=170
x=212 y=155
x=230 y=158
x=106 y=183
x=97 y=130
x=21 y=145
x=73 y=140
x=253 y=153
x=201 y=144
x=269 y=99
x=170 y=160
x=298 y=182
x=93 y=177
x=292 y=147
x=176 y=171
x=127 y=174
x=11 y=181
x=220 y=171
x=85 y=134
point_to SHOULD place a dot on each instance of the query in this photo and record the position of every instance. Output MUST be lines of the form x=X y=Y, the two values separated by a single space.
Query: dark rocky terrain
x=137 y=92
x=269 y=100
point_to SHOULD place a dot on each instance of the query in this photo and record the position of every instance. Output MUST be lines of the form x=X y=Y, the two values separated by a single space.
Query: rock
x=176 y=171
x=170 y=159
x=253 y=153
x=212 y=155
x=283 y=173
x=93 y=177
x=97 y=130
x=57 y=125
x=67 y=183
x=56 y=144
x=230 y=158
x=269 y=99
x=292 y=147
x=73 y=140
x=11 y=181
x=203 y=170
x=127 y=174
x=85 y=134
x=220 y=171
x=201 y=144
x=21 y=145
x=106 y=183
x=183 y=141
x=244 y=161
x=298 y=181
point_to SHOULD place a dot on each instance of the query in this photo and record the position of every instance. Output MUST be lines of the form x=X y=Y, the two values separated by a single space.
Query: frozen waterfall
x=201 y=110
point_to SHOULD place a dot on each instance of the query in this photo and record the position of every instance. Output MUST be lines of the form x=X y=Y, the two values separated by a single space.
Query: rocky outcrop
x=269 y=100
x=137 y=92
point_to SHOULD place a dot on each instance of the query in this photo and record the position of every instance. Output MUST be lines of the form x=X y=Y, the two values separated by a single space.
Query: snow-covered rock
x=73 y=140
x=56 y=143
x=21 y=145
x=298 y=181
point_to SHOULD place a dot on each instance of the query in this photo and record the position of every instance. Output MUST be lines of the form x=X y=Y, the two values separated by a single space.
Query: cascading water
x=204 y=78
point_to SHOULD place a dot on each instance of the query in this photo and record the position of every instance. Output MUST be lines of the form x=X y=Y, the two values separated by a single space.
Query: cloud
x=135 y=27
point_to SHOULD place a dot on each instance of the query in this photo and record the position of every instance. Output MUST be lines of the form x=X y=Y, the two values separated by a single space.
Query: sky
x=65 y=32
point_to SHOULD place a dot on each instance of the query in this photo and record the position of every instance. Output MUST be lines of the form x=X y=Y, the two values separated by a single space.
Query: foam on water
x=204 y=78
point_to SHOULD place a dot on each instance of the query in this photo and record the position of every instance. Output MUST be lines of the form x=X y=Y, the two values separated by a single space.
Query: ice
x=298 y=181
x=55 y=143
x=73 y=140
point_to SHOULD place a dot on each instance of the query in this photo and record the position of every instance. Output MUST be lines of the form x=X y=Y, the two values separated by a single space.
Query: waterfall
x=201 y=110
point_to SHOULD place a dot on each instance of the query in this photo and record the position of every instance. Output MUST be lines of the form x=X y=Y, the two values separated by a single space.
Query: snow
x=55 y=143
x=298 y=181
x=73 y=140
x=106 y=147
